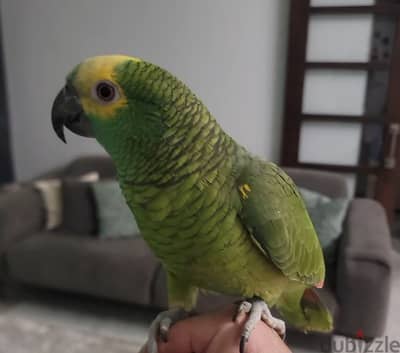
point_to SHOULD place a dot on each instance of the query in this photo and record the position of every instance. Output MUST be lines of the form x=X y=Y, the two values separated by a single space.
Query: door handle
x=390 y=160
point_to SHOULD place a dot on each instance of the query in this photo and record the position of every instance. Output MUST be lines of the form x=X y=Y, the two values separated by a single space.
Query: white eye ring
x=105 y=92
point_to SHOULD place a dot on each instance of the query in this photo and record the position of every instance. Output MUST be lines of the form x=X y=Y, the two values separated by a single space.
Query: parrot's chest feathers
x=198 y=236
x=186 y=219
x=194 y=229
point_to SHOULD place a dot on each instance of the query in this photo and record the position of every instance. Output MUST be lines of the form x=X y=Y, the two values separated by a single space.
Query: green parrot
x=218 y=218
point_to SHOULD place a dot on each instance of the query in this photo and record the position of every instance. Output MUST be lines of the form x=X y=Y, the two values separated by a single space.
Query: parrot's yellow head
x=96 y=82
x=93 y=92
x=117 y=99
x=137 y=111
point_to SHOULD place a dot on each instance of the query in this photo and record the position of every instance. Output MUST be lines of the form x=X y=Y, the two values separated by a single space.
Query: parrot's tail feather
x=303 y=308
x=309 y=298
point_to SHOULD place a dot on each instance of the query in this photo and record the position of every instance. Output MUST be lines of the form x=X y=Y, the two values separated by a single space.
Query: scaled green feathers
x=217 y=217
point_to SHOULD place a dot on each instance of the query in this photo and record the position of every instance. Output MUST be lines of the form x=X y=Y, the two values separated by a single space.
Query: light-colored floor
x=82 y=316
x=116 y=323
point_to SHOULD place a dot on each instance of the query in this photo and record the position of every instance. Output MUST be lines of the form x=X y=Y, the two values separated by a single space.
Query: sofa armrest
x=21 y=213
x=364 y=270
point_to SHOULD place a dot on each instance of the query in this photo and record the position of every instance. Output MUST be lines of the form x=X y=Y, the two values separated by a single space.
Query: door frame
x=386 y=175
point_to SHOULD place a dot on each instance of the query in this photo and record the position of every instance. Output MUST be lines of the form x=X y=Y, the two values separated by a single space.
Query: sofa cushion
x=333 y=185
x=327 y=215
x=21 y=212
x=115 y=219
x=79 y=209
x=50 y=190
x=116 y=269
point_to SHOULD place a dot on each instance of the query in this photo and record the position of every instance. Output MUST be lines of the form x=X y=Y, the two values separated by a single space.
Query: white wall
x=231 y=52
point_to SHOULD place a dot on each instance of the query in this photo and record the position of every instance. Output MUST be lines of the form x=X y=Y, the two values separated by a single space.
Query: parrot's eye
x=105 y=92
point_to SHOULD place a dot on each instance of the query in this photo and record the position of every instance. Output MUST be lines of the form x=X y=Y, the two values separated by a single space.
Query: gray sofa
x=358 y=283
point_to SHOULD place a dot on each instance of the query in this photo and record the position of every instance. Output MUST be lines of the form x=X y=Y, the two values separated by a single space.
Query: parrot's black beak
x=67 y=111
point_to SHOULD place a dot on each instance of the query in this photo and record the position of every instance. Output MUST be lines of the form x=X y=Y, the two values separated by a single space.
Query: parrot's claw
x=257 y=310
x=161 y=325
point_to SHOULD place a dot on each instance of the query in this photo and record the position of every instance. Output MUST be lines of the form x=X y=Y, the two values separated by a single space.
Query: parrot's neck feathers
x=193 y=143
x=189 y=141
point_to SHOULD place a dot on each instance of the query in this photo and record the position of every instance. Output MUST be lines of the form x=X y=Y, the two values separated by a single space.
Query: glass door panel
x=338 y=38
x=340 y=92
x=330 y=143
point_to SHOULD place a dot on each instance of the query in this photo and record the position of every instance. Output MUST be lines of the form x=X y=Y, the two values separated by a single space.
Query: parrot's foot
x=257 y=310
x=161 y=325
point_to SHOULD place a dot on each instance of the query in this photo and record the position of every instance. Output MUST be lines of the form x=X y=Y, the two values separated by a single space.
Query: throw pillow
x=52 y=195
x=327 y=216
x=79 y=209
x=113 y=214
x=50 y=191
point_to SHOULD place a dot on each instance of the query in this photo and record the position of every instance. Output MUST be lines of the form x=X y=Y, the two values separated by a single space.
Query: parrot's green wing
x=275 y=214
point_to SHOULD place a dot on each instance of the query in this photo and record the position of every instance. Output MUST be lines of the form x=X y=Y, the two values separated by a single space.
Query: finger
x=204 y=327
x=179 y=339
x=226 y=340
x=194 y=334
x=263 y=339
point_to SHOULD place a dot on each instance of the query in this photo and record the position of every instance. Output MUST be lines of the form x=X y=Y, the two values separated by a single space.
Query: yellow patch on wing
x=245 y=190
x=90 y=72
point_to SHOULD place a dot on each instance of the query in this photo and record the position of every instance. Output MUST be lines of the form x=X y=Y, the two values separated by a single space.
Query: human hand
x=217 y=333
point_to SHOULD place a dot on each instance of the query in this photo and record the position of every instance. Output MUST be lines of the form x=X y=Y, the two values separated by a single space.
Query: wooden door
x=361 y=114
